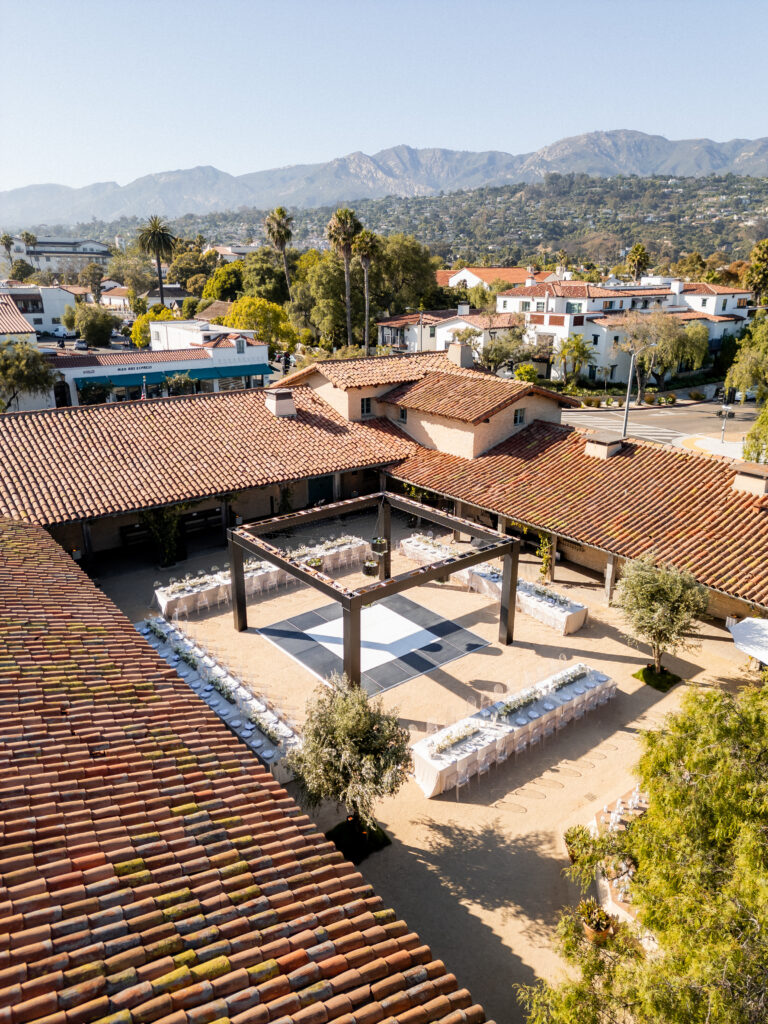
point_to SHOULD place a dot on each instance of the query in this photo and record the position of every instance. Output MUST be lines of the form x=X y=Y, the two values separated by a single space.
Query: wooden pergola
x=248 y=540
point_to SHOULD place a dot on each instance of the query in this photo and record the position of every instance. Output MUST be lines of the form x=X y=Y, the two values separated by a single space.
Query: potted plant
x=596 y=922
x=314 y=562
x=379 y=544
x=578 y=841
x=370 y=567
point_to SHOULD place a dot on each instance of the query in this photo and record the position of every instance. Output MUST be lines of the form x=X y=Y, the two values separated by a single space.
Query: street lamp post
x=726 y=409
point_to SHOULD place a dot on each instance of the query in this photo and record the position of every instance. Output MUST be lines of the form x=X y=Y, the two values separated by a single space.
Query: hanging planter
x=370 y=568
x=379 y=544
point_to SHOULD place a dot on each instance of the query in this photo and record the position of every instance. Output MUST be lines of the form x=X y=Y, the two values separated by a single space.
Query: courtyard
x=480 y=878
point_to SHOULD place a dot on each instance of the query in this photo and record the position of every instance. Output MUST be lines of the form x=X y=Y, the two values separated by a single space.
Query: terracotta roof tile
x=373 y=372
x=11 y=320
x=104 y=459
x=217 y=308
x=647 y=497
x=67 y=360
x=470 y=398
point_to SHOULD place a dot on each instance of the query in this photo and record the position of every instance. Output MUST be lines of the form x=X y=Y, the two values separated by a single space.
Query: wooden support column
x=351 y=621
x=610 y=578
x=85 y=529
x=458 y=510
x=508 y=596
x=237 y=575
x=553 y=557
x=225 y=519
x=385 y=524
x=503 y=524
x=336 y=486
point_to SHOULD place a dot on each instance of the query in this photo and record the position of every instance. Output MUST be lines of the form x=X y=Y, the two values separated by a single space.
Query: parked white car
x=60 y=331
x=750 y=395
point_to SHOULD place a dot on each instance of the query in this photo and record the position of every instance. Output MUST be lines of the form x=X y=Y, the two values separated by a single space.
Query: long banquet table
x=435 y=772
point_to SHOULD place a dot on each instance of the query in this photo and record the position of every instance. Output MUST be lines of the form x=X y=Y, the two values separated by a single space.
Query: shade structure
x=751 y=637
x=230 y=370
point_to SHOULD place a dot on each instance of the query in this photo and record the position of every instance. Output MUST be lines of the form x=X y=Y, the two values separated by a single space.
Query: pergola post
x=237 y=576
x=610 y=578
x=385 y=525
x=350 y=614
x=458 y=510
x=552 y=557
x=508 y=596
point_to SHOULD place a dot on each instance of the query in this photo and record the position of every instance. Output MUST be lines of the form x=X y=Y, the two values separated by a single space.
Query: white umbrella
x=751 y=636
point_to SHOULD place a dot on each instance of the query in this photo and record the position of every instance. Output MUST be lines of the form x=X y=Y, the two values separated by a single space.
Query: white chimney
x=530 y=282
x=462 y=309
x=603 y=445
x=676 y=286
x=751 y=478
x=280 y=402
x=460 y=354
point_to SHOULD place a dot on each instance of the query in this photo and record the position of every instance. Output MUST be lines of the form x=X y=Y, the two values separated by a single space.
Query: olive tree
x=354 y=752
x=23 y=369
x=661 y=605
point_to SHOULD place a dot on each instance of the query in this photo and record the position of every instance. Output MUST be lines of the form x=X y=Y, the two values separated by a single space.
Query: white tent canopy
x=751 y=636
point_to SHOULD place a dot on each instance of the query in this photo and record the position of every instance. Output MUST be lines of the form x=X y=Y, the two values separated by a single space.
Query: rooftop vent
x=751 y=478
x=603 y=446
x=280 y=402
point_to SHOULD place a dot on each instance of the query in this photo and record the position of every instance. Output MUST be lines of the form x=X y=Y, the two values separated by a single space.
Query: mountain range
x=400 y=171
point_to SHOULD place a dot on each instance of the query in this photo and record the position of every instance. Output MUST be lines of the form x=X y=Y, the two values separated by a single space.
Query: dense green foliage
x=661 y=605
x=140 y=329
x=23 y=369
x=354 y=751
x=94 y=324
x=701 y=881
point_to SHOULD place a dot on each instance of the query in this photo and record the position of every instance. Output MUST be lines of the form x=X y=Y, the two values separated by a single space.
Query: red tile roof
x=513 y=275
x=491 y=321
x=174 y=355
x=470 y=399
x=648 y=497
x=217 y=308
x=68 y=464
x=11 y=320
x=443 y=277
x=428 y=316
x=567 y=289
x=373 y=372
x=150 y=869
x=681 y=314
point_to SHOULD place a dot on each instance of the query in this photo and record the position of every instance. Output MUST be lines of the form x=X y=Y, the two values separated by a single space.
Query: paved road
x=667 y=425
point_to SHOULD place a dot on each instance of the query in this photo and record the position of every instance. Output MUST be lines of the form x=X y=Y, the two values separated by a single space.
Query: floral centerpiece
x=453 y=737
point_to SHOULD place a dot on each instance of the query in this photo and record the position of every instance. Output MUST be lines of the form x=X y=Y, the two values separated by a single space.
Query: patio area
x=480 y=879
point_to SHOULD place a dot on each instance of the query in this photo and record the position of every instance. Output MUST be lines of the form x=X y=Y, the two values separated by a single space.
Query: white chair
x=592 y=698
x=549 y=723
x=602 y=693
x=450 y=781
x=502 y=749
x=486 y=762
x=535 y=733
x=203 y=603
x=465 y=769
x=611 y=689
x=520 y=737
x=579 y=706
x=565 y=716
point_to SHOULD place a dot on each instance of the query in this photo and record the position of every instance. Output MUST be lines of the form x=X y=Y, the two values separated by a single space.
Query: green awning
x=135 y=380
x=246 y=370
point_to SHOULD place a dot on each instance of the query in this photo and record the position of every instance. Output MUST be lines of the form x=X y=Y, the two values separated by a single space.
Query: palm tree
x=367 y=247
x=155 y=239
x=6 y=241
x=340 y=232
x=578 y=352
x=278 y=224
x=637 y=260
x=28 y=238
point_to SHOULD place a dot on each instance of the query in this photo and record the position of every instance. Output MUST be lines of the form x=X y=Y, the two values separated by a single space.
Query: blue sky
x=102 y=90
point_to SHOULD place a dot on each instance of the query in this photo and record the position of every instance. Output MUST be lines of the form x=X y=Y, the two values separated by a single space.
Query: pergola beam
x=309 y=515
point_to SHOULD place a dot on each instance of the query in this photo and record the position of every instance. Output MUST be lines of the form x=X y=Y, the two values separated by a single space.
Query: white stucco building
x=57 y=254
x=42 y=307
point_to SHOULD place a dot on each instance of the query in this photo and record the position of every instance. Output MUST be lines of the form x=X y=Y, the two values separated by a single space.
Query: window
x=155 y=335
x=432 y=332
x=37 y=320
x=703 y=303
x=595 y=338
x=633 y=303
x=525 y=307
x=539 y=307
x=613 y=370
x=240 y=346
x=592 y=371
x=54 y=320
x=365 y=407
x=573 y=307
x=741 y=303
x=725 y=303
x=503 y=303
x=519 y=417
x=608 y=304
x=403 y=415
x=645 y=303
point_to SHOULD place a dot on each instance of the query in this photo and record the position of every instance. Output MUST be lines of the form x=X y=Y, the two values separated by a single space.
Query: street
x=669 y=424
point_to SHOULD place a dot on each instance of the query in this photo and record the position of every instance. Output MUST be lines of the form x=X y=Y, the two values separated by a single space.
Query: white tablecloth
x=257 y=581
x=565 y=618
x=436 y=772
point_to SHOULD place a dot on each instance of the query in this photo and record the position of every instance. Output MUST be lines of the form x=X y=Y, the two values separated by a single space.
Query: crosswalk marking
x=613 y=420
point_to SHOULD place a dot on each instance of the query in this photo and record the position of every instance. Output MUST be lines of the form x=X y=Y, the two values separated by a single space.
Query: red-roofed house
x=469 y=277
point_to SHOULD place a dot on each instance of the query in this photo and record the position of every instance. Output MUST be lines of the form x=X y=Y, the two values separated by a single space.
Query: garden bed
x=662 y=681
x=357 y=843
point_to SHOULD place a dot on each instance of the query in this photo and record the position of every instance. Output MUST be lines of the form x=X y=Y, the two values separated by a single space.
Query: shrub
x=649 y=399
x=671 y=399
x=609 y=400
x=620 y=402
x=697 y=396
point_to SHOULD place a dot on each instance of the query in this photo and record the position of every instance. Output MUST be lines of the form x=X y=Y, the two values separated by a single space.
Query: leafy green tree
x=756 y=441
x=155 y=238
x=688 y=346
x=577 y=352
x=661 y=605
x=140 y=329
x=504 y=348
x=226 y=283
x=750 y=367
x=638 y=260
x=6 y=241
x=263 y=277
x=90 y=277
x=526 y=372
x=690 y=267
x=658 y=340
x=134 y=270
x=189 y=307
x=21 y=270
x=269 y=320
x=407 y=274
x=180 y=384
x=354 y=752
x=23 y=370
x=367 y=247
x=341 y=231
x=327 y=290
x=756 y=276
x=94 y=324
x=701 y=862
x=191 y=264
x=93 y=392
x=277 y=225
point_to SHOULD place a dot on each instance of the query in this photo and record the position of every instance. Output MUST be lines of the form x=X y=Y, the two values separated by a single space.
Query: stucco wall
x=434 y=431
x=502 y=425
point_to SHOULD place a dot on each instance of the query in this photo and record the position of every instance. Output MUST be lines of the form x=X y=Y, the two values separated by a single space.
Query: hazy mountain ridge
x=400 y=170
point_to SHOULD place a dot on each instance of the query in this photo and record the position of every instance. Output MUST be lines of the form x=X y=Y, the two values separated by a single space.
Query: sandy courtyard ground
x=480 y=879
